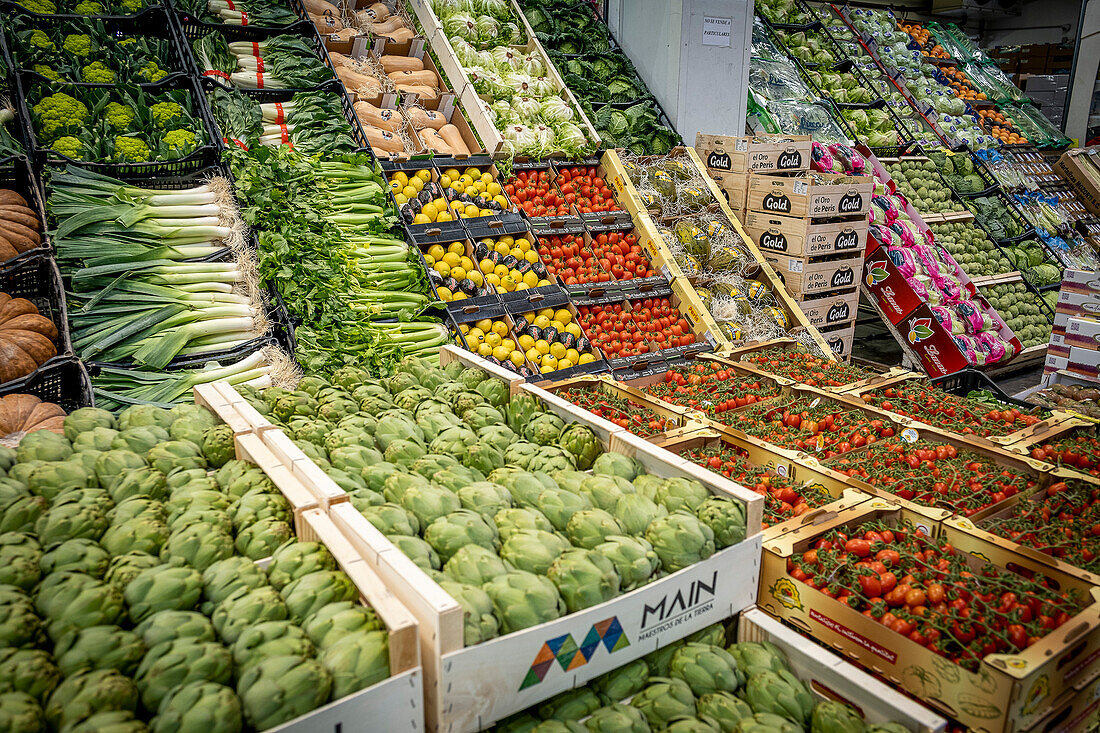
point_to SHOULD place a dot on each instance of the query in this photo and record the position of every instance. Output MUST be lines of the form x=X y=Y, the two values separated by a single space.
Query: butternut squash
x=356 y=82
x=383 y=119
x=385 y=27
x=326 y=24
x=384 y=141
x=339 y=59
x=421 y=118
x=392 y=63
x=423 y=92
x=454 y=139
x=401 y=35
x=435 y=142
x=345 y=35
x=425 y=78
x=321 y=7
x=377 y=12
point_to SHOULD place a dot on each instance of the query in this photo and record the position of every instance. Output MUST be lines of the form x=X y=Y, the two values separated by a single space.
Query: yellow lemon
x=485 y=349
x=409 y=192
x=526 y=342
x=445 y=294
x=530 y=279
x=472 y=211
x=523 y=244
x=459 y=248
x=500 y=270
x=574 y=329
x=529 y=315
x=548 y=312
x=586 y=359
x=501 y=201
x=443 y=268
x=533 y=355
x=555 y=324
x=459 y=296
x=493 y=339
x=429 y=260
x=458 y=273
x=542 y=347
x=541 y=321
x=486 y=178
x=493 y=188
x=516 y=358
x=452 y=259
x=430 y=211
x=502 y=247
x=516 y=252
x=486 y=212
x=485 y=324
x=475 y=333
x=563 y=315
x=508 y=240
x=464 y=328
x=565 y=363
x=557 y=349
x=400 y=198
x=500 y=328
x=492 y=280
x=486 y=266
x=445 y=181
x=508 y=344
x=531 y=256
x=543 y=282
x=424 y=175
x=521 y=285
x=549 y=363
x=437 y=251
x=501 y=353
x=471 y=171
x=508 y=283
x=417 y=184
x=451 y=173
x=475 y=277
x=465 y=263
x=572 y=355
x=400 y=177
x=472 y=191
x=421 y=219
x=444 y=216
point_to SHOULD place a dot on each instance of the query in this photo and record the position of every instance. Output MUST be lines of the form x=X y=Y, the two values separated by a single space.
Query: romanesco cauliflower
x=57 y=112
x=167 y=114
x=41 y=41
x=78 y=44
x=89 y=7
x=127 y=42
x=39 y=6
x=132 y=6
x=69 y=146
x=180 y=142
x=118 y=116
x=130 y=149
x=97 y=72
x=151 y=72
x=46 y=71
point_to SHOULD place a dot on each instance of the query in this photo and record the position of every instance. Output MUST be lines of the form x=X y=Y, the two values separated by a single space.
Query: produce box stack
x=730 y=160
x=812 y=228
x=1073 y=342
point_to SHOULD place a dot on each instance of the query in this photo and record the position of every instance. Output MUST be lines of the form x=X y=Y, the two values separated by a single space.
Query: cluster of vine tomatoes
x=625 y=413
x=1080 y=451
x=935 y=407
x=802 y=366
x=582 y=186
x=712 y=388
x=819 y=426
x=650 y=324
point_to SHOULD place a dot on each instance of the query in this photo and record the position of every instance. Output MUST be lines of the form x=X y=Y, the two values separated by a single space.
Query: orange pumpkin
x=26 y=338
x=23 y=413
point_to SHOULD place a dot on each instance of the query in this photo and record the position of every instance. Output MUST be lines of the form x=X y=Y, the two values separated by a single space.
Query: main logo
x=920 y=329
x=846 y=240
x=838 y=312
x=850 y=203
x=876 y=273
x=775 y=202
x=843 y=277
x=773 y=240
x=719 y=161
x=569 y=656
x=789 y=159
x=677 y=604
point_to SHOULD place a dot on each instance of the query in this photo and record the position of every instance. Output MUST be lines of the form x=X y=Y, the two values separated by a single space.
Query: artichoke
x=681 y=494
x=166 y=626
x=139 y=415
x=623 y=682
x=278 y=689
x=28 y=670
x=140 y=440
x=780 y=693
x=524 y=486
x=706 y=668
x=559 y=726
x=99 y=647
x=360 y=498
x=255 y=505
x=559 y=506
x=768 y=723
x=522 y=599
x=221 y=579
x=175 y=663
x=680 y=540
x=390 y=519
x=199 y=707
x=43 y=445
x=533 y=550
x=573 y=704
x=20 y=713
x=85 y=419
x=20 y=513
x=259 y=540
x=190 y=422
x=584 y=578
x=270 y=639
x=174 y=454
x=485 y=498
x=582 y=443
x=602 y=491
x=112 y=465
x=617 y=718
x=616 y=464
x=691 y=725
x=513 y=519
x=334 y=621
x=217 y=445
x=429 y=503
x=724 y=709
x=360 y=660
x=71 y=601
x=664 y=700
x=135 y=507
x=417 y=550
x=306 y=595
x=124 y=568
x=634 y=512
x=550 y=458
x=163 y=588
x=479 y=623
x=659 y=659
x=754 y=657
x=72 y=516
x=110 y=721
x=19 y=624
x=20 y=555
x=198 y=545
x=458 y=529
x=475 y=565
x=725 y=517
x=634 y=560
x=830 y=716
x=83 y=695
x=143 y=534
x=715 y=634
x=590 y=527
x=543 y=429
x=246 y=607
x=52 y=480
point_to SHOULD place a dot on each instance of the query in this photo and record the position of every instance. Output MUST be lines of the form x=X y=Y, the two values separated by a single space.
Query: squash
x=421 y=118
x=377 y=12
x=321 y=7
x=326 y=24
x=383 y=119
x=453 y=137
x=428 y=93
x=12 y=198
x=19 y=225
x=26 y=338
x=386 y=27
x=424 y=78
x=20 y=215
x=383 y=142
x=24 y=413
x=345 y=35
x=401 y=35
x=392 y=63
x=339 y=59
x=435 y=142
x=356 y=82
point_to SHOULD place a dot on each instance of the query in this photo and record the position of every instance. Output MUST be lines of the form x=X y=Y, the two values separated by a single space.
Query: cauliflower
x=152 y=72
x=130 y=150
x=97 y=72
x=118 y=116
x=41 y=41
x=78 y=44
x=89 y=7
x=167 y=114
x=180 y=142
x=39 y=6
x=46 y=71
x=57 y=112
x=69 y=146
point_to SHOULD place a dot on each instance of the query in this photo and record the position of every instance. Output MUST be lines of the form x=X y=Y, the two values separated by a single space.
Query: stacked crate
x=730 y=160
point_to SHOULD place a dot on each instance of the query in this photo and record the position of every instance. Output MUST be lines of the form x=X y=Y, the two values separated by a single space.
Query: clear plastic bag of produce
x=777 y=80
x=794 y=118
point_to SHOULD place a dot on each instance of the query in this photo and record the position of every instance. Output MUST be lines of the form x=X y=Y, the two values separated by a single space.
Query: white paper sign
x=716 y=31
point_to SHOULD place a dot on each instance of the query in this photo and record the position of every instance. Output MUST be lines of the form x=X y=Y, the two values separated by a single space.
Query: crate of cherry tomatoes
x=585 y=256
x=1077 y=449
x=791 y=359
x=531 y=187
x=982 y=633
x=628 y=408
x=796 y=492
x=551 y=335
x=585 y=188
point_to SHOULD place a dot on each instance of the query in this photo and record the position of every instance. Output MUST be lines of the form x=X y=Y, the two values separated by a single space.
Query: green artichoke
x=175 y=454
x=143 y=534
x=659 y=659
x=259 y=540
x=590 y=527
x=724 y=709
x=222 y=578
x=278 y=689
x=887 y=728
x=20 y=555
x=270 y=639
x=99 y=647
x=691 y=725
x=706 y=668
x=573 y=704
x=43 y=445
x=360 y=498
x=140 y=440
x=138 y=415
x=112 y=465
x=475 y=565
x=21 y=513
x=616 y=464
x=617 y=718
x=198 y=545
x=511 y=520
x=560 y=505
x=754 y=657
x=28 y=670
x=428 y=503
x=715 y=634
x=392 y=519
x=199 y=707
x=634 y=560
x=254 y=506
x=485 y=498
x=110 y=721
x=582 y=443
x=217 y=445
x=19 y=624
x=522 y=599
x=417 y=550
x=663 y=700
x=124 y=568
x=602 y=491
x=82 y=695
x=70 y=601
x=335 y=620
x=680 y=540
x=458 y=529
x=524 y=486
x=20 y=713
x=309 y=593
x=523 y=722
x=190 y=422
x=479 y=623
x=543 y=429
x=175 y=663
x=584 y=578
x=780 y=693
x=163 y=588
x=623 y=682
x=359 y=660
x=635 y=512
x=682 y=494
x=52 y=480
x=165 y=626
x=550 y=458
x=830 y=716
x=533 y=550
x=135 y=507
x=72 y=516
x=246 y=607
x=768 y=723
x=85 y=419
x=725 y=517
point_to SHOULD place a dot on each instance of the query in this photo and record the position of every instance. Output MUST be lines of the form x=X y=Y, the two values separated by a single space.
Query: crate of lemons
x=510 y=263
x=456 y=195
x=454 y=274
x=549 y=339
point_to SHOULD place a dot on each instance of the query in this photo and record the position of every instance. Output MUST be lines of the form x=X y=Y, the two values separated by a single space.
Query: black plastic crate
x=193 y=27
x=64 y=383
x=20 y=178
x=969 y=380
x=9 y=7
x=38 y=280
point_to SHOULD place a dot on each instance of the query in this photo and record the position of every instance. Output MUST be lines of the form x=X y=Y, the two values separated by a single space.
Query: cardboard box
x=830 y=309
x=1055 y=363
x=840 y=338
x=735 y=189
x=808 y=237
x=1084 y=362
x=722 y=153
x=801 y=196
x=1071 y=169
x=1083 y=333
x=800 y=275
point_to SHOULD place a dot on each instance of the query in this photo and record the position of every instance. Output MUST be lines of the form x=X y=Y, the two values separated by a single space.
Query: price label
x=909 y=435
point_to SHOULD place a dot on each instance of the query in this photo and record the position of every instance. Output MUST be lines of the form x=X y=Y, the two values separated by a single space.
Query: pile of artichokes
x=130 y=599
x=697 y=685
x=519 y=516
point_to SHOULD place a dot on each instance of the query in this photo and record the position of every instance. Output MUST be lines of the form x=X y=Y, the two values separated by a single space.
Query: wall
x=1005 y=30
